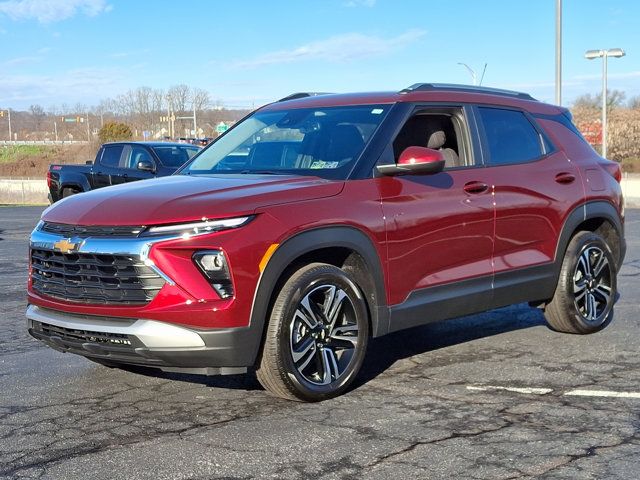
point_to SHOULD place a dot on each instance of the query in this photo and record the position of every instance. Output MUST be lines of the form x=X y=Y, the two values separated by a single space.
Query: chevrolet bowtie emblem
x=65 y=246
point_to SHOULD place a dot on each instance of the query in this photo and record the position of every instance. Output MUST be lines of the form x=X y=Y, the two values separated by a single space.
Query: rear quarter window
x=511 y=138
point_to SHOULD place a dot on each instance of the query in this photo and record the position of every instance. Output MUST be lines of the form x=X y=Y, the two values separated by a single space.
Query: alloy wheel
x=592 y=285
x=323 y=335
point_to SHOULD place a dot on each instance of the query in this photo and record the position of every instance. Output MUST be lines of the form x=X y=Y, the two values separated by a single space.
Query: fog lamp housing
x=213 y=265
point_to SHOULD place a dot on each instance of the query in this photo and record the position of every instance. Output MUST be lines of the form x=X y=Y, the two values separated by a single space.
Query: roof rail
x=296 y=96
x=433 y=87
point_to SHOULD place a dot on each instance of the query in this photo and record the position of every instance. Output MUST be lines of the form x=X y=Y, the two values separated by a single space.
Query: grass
x=32 y=161
x=15 y=153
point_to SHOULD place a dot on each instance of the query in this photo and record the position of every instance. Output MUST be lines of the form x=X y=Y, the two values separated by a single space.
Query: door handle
x=475 y=187
x=565 y=178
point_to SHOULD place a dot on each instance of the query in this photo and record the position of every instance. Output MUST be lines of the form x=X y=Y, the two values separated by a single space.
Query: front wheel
x=586 y=291
x=317 y=335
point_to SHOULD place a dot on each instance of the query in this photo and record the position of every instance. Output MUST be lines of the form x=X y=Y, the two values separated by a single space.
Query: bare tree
x=200 y=99
x=179 y=97
x=615 y=98
x=38 y=114
x=634 y=103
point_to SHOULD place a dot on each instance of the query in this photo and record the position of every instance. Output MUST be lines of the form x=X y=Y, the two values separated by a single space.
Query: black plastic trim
x=305 y=242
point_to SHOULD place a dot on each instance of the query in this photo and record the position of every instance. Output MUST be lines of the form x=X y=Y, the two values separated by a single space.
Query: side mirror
x=146 y=166
x=415 y=160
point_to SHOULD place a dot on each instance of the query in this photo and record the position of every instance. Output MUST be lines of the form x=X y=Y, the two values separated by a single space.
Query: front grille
x=93 y=278
x=84 y=336
x=84 y=231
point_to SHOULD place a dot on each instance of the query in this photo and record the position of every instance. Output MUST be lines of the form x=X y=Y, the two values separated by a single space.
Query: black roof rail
x=295 y=96
x=433 y=87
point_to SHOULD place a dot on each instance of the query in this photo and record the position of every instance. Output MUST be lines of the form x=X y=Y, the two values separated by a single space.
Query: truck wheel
x=68 y=191
x=586 y=291
x=317 y=335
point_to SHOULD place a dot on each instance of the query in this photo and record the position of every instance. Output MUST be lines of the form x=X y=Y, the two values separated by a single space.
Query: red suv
x=320 y=221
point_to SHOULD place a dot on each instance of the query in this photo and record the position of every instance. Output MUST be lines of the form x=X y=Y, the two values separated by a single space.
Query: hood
x=182 y=198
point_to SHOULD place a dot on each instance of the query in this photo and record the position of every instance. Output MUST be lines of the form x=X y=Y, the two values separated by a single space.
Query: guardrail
x=23 y=191
x=42 y=142
x=34 y=191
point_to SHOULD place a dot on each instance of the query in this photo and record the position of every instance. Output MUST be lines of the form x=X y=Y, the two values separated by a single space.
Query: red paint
x=427 y=229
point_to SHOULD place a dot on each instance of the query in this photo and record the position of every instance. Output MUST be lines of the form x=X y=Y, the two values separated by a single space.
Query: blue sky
x=250 y=52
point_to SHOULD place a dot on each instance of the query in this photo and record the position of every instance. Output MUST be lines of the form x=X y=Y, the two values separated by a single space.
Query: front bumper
x=145 y=342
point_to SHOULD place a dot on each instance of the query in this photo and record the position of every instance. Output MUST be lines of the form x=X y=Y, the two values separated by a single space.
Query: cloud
x=85 y=84
x=339 y=48
x=14 y=62
x=133 y=53
x=360 y=3
x=49 y=11
x=616 y=76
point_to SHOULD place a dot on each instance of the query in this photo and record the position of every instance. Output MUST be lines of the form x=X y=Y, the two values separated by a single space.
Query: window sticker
x=319 y=164
x=377 y=111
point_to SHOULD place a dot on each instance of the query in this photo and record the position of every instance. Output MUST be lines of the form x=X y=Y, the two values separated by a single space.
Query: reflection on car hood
x=184 y=198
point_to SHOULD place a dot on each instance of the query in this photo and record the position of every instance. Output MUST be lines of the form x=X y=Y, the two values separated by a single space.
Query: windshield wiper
x=260 y=172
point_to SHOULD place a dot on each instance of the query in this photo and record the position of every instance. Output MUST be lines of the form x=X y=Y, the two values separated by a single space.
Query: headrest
x=436 y=140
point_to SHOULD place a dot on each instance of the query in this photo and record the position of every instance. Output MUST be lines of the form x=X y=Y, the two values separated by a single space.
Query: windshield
x=175 y=155
x=323 y=142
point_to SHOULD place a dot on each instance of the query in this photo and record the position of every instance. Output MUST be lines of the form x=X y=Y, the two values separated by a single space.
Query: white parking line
x=525 y=390
x=602 y=393
x=544 y=391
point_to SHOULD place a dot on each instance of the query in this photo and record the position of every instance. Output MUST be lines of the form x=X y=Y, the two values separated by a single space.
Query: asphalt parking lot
x=491 y=396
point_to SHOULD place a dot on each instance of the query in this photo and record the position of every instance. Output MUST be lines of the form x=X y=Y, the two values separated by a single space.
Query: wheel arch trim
x=308 y=241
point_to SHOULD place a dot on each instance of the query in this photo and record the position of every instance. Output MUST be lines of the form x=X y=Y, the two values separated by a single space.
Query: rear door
x=439 y=227
x=535 y=186
x=107 y=165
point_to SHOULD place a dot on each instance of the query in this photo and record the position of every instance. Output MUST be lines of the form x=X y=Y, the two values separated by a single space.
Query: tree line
x=141 y=108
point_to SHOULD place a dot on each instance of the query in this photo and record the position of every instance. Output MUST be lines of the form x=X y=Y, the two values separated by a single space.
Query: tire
x=68 y=191
x=587 y=289
x=317 y=335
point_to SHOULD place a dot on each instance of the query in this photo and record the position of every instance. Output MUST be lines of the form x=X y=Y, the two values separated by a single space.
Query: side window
x=511 y=138
x=111 y=156
x=438 y=129
x=134 y=154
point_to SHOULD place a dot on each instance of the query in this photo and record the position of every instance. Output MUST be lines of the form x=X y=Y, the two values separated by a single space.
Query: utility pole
x=88 y=129
x=195 y=127
x=55 y=129
x=558 y=52
x=9 y=115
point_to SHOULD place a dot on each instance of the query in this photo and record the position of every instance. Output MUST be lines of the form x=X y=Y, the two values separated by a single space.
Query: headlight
x=187 y=230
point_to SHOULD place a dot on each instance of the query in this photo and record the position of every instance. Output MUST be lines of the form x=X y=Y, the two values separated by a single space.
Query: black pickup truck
x=118 y=162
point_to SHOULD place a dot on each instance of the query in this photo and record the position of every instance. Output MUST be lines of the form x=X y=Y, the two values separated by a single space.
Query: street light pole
x=471 y=71
x=591 y=55
x=604 y=105
x=558 y=52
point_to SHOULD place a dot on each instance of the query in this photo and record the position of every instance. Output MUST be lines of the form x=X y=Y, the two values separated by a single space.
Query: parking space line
x=602 y=393
x=525 y=390
x=545 y=391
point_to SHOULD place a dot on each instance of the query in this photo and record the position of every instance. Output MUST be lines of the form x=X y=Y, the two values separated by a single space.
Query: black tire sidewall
x=579 y=243
x=321 y=275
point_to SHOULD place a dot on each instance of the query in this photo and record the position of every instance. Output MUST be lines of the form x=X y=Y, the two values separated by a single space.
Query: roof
x=152 y=144
x=423 y=92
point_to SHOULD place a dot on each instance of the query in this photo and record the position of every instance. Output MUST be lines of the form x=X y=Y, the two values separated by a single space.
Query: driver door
x=439 y=226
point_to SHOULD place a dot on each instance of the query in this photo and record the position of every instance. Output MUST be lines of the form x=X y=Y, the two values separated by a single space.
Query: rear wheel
x=68 y=191
x=586 y=291
x=317 y=335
